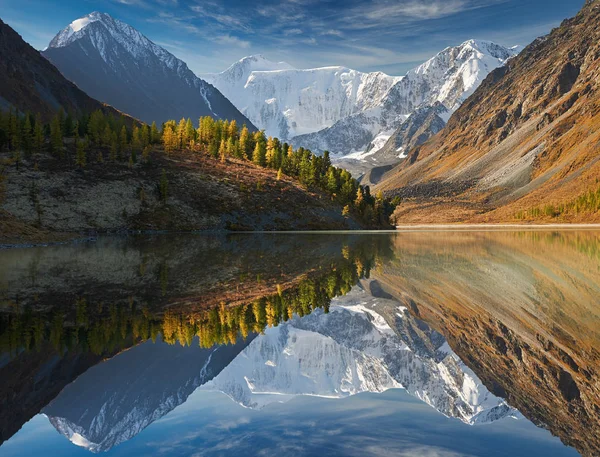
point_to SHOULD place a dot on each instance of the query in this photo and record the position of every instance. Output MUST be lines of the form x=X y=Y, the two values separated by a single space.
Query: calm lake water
x=409 y=344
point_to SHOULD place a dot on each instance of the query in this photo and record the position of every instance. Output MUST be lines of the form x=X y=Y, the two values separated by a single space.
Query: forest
x=100 y=138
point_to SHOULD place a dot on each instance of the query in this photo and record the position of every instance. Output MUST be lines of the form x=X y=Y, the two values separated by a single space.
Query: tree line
x=107 y=328
x=99 y=137
x=222 y=140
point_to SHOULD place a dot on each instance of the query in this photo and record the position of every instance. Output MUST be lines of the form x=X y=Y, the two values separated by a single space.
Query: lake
x=441 y=343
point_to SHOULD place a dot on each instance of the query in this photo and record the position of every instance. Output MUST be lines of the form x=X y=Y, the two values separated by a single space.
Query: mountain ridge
x=28 y=82
x=137 y=76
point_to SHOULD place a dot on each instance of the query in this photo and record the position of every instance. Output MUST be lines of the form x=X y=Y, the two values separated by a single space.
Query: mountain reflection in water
x=483 y=327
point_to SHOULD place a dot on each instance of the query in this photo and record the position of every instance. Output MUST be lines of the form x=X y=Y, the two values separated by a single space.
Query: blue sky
x=370 y=35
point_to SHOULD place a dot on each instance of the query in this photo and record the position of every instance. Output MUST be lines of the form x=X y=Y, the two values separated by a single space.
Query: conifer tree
x=27 y=136
x=154 y=134
x=107 y=136
x=190 y=132
x=259 y=157
x=181 y=135
x=56 y=136
x=222 y=150
x=81 y=157
x=145 y=135
x=114 y=147
x=38 y=135
x=245 y=142
x=123 y=142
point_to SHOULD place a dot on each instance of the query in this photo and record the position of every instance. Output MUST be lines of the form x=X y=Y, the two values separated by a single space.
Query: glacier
x=350 y=113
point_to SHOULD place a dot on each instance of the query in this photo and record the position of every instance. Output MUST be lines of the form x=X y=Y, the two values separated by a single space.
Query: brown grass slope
x=29 y=82
x=530 y=135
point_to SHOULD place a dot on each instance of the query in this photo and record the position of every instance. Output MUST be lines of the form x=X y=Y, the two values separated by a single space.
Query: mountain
x=445 y=80
x=113 y=62
x=524 y=145
x=287 y=102
x=354 y=349
x=28 y=82
x=115 y=400
x=354 y=114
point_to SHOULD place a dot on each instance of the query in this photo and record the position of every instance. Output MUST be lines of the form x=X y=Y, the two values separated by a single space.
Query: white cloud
x=230 y=40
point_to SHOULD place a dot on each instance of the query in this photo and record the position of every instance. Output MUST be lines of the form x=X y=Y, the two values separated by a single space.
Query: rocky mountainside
x=28 y=82
x=354 y=349
x=115 y=400
x=115 y=63
x=528 y=137
x=287 y=102
x=446 y=79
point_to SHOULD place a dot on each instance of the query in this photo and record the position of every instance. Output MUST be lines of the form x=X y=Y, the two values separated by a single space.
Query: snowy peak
x=103 y=30
x=138 y=76
x=287 y=102
x=259 y=62
x=453 y=74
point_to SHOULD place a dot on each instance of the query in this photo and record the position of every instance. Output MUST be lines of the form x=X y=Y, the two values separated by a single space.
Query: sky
x=392 y=36
x=388 y=424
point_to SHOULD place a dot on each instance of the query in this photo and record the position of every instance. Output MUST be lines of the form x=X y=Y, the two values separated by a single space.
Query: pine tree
x=222 y=151
x=107 y=136
x=27 y=136
x=81 y=158
x=181 y=135
x=190 y=132
x=114 y=147
x=38 y=135
x=154 y=134
x=245 y=142
x=56 y=136
x=123 y=142
x=259 y=157
x=332 y=181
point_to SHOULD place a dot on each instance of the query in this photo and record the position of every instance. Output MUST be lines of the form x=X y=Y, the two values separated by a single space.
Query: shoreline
x=398 y=229
x=494 y=227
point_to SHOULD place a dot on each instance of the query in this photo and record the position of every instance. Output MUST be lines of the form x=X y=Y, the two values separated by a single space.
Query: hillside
x=203 y=194
x=28 y=82
x=523 y=147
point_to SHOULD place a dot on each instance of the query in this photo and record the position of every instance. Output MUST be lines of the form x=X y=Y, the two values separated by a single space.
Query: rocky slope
x=528 y=136
x=115 y=63
x=28 y=82
x=353 y=349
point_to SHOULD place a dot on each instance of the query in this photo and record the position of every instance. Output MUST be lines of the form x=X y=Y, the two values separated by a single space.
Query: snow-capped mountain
x=115 y=400
x=116 y=64
x=287 y=102
x=353 y=349
x=447 y=79
x=354 y=114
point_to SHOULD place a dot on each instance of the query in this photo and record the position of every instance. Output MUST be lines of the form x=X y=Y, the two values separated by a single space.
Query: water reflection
x=484 y=328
